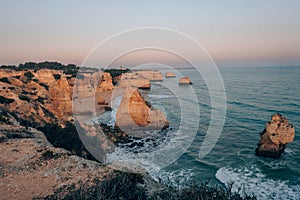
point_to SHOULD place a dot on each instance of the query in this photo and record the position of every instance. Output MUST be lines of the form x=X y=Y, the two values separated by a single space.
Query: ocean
x=253 y=94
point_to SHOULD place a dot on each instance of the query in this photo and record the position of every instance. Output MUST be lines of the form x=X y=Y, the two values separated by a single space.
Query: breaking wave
x=251 y=180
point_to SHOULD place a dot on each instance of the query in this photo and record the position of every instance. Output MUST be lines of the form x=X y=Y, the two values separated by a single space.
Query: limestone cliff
x=151 y=75
x=277 y=134
x=134 y=79
x=45 y=96
x=42 y=96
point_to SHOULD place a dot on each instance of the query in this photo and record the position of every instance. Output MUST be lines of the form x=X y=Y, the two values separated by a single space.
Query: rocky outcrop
x=151 y=75
x=105 y=82
x=277 y=134
x=42 y=96
x=134 y=113
x=134 y=79
x=45 y=96
x=170 y=75
x=185 y=81
x=88 y=85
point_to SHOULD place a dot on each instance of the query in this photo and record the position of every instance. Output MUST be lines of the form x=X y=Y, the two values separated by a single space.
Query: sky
x=233 y=32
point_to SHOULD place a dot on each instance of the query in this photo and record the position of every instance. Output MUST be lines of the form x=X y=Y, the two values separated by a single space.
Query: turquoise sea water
x=252 y=96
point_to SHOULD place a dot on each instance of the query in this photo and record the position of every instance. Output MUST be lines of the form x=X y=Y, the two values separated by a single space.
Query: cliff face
x=45 y=96
x=152 y=75
x=140 y=79
x=40 y=97
x=134 y=79
x=135 y=113
x=88 y=85
x=277 y=134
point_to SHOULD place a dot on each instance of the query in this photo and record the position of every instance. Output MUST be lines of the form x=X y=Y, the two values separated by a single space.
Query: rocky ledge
x=277 y=134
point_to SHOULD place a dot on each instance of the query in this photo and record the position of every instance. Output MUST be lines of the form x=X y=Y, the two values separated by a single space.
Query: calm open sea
x=252 y=96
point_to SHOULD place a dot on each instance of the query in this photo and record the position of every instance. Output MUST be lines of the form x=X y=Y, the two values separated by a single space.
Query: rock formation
x=37 y=96
x=151 y=75
x=170 y=75
x=134 y=79
x=45 y=96
x=88 y=85
x=276 y=135
x=134 y=113
x=185 y=81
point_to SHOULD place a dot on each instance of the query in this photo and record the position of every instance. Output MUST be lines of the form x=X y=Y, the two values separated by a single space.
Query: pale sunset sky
x=234 y=32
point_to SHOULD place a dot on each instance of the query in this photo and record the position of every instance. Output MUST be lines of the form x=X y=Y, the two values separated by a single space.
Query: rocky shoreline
x=42 y=155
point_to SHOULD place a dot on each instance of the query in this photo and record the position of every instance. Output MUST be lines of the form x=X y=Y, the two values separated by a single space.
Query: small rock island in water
x=185 y=81
x=276 y=135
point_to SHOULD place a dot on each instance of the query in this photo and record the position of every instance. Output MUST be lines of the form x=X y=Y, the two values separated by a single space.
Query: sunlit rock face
x=134 y=79
x=134 y=113
x=39 y=96
x=151 y=75
x=88 y=85
x=277 y=134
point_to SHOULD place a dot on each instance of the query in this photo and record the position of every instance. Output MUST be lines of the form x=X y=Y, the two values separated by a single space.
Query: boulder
x=185 y=81
x=134 y=113
x=277 y=134
x=170 y=75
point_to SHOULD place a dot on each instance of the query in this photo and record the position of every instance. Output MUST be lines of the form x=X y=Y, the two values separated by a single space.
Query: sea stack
x=134 y=113
x=276 y=135
x=185 y=81
x=170 y=75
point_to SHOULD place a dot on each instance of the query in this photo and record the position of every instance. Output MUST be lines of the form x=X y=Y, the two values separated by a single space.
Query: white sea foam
x=252 y=181
x=146 y=160
x=160 y=96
